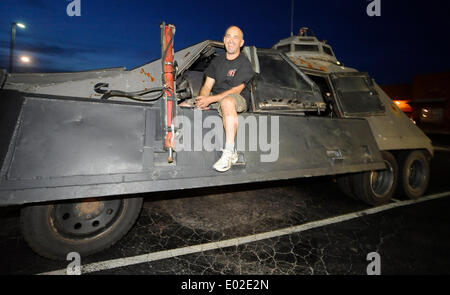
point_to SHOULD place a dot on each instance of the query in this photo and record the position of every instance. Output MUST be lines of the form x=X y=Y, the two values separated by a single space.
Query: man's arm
x=235 y=90
x=207 y=86
x=204 y=99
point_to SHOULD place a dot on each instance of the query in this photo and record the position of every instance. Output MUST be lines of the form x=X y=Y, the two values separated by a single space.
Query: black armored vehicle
x=78 y=149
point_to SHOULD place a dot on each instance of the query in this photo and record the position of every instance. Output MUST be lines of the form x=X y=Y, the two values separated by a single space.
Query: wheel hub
x=86 y=218
x=90 y=209
x=416 y=175
x=382 y=181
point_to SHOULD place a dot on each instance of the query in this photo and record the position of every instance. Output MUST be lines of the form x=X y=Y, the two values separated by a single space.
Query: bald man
x=225 y=87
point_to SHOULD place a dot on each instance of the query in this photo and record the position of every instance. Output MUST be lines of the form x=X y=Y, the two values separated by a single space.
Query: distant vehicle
x=432 y=115
x=426 y=101
x=77 y=149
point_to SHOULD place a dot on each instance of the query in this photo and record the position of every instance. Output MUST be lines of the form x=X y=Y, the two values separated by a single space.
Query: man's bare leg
x=229 y=119
x=230 y=124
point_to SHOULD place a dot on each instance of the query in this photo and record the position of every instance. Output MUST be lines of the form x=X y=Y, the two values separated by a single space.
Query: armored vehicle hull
x=78 y=162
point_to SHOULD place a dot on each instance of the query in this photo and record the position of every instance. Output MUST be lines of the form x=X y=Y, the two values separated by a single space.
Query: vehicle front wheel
x=86 y=227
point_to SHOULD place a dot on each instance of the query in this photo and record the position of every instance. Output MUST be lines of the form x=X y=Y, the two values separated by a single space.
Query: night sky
x=410 y=37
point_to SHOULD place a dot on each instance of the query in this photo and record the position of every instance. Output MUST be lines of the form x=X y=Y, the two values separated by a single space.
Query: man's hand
x=202 y=102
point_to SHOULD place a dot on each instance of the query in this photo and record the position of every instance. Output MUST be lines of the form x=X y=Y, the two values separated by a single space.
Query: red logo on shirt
x=231 y=73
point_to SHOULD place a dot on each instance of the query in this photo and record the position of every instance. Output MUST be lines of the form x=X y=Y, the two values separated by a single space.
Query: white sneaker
x=227 y=159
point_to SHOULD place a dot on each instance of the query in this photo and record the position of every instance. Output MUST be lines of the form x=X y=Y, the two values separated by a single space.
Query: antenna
x=292 y=17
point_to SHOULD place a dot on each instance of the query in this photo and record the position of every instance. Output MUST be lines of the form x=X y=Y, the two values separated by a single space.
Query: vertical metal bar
x=167 y=33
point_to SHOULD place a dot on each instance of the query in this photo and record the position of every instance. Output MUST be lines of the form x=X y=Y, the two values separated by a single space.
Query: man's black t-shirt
x=230 y=73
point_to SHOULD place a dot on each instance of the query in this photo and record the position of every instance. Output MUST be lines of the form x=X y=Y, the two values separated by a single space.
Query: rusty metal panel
x=60 y=138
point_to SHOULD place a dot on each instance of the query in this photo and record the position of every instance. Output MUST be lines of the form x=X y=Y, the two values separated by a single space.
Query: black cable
x=137 y=94
x=132 y=95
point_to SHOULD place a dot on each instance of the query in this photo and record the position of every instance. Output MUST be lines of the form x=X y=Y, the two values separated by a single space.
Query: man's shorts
x=241 y=104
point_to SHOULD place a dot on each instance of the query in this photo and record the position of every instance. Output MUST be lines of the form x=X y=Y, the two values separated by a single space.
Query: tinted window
x=327 y=50
x=284 y=48
x=275 y=70
x=305 y=47
x=351 y=84
x=357 y=95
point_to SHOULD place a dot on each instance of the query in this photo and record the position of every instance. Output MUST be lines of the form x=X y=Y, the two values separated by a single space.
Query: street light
x=13 y=37
x=25 y=59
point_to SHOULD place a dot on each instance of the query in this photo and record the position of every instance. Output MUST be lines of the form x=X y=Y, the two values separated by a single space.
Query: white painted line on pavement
x=121 y=262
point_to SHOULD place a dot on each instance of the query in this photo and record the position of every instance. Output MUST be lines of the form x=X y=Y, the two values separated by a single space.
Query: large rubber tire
x=86 y=227
x=377 y=187
x=414 y=173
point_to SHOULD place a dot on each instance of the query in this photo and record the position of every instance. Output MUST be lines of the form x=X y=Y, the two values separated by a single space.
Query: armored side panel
x=396 y=131
x=57 y=148
x=359 y=96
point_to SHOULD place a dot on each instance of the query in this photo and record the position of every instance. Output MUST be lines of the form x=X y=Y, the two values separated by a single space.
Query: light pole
x=13 y=37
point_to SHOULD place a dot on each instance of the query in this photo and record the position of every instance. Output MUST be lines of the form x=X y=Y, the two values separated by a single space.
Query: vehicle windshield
x=275 y=70
x=353 y=84
x=357 y=95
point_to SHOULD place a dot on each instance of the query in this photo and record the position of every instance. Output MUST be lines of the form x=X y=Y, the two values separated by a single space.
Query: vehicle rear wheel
x=378 y=186
x=414 y=173
x=86 y=227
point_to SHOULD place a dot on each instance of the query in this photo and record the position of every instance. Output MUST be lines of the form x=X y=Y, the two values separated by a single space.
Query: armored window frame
x=356 y=95
x=268 y=91
x=327 y=50
x=284 y=48
x=306 y=47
